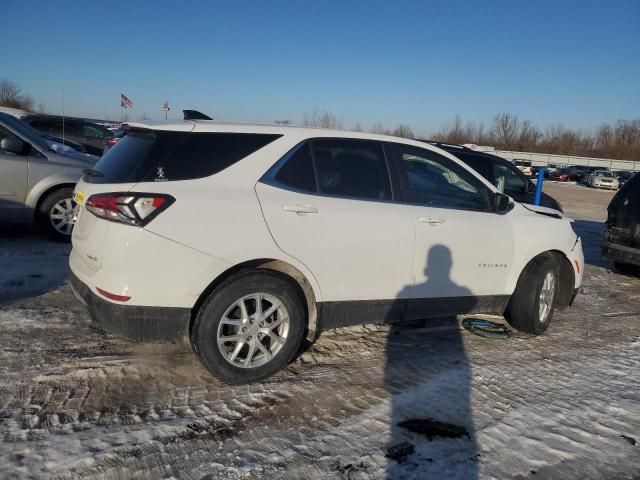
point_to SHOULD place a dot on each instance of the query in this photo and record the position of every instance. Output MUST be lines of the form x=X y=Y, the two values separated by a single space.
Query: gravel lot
x=79 y=403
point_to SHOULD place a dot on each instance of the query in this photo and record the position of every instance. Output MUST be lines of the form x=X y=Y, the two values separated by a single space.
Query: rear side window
x=351 y=168
x=297 y=172
x=147 y=156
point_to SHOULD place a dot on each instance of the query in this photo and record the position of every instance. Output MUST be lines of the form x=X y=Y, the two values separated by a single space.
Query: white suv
x=246 y=239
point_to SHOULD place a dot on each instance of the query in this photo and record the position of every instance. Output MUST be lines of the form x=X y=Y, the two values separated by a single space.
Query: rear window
x=146 y=156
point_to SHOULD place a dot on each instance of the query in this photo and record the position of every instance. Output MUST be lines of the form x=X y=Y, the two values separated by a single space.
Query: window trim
x=405 y=182
x=269 y=178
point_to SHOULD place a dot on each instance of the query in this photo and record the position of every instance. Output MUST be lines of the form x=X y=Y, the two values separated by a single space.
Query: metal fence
x=544 y=159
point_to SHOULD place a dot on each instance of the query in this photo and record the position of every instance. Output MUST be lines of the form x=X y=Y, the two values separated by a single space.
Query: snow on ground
x=78 y=403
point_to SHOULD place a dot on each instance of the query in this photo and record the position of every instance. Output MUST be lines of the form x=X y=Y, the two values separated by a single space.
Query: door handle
x=431 y=220
x=299 y=209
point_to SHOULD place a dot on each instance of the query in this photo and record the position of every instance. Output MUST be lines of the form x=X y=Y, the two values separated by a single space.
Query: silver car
x=37 y=177
x=603 y=179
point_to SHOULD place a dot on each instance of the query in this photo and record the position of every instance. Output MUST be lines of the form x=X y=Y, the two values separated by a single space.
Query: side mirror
x=13 y=145
x=501 y=203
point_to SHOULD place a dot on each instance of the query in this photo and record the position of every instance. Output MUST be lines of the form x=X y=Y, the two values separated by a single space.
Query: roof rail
x=443 y=144
x=195 y=115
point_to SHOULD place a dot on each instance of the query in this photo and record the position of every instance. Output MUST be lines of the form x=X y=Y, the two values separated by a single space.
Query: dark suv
x=90 y=135
x=621 y=239
x=501 y=173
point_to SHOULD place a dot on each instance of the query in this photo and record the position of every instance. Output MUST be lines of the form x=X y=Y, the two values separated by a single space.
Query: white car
x=246 y=239
x=524 y=166
x=603 y=179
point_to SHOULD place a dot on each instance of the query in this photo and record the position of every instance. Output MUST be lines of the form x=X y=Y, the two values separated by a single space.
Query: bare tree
x=505 y=130
x=10 y=96
x=403 y=130
x=322 y=119
x=378 y=128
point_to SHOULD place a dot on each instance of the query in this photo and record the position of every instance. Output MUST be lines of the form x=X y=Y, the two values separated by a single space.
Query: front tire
x=533 y=302
x=249 y=327
x=57 y=214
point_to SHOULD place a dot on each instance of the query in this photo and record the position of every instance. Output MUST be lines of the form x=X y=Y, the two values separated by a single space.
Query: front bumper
x=138 y=323
x=621 y=253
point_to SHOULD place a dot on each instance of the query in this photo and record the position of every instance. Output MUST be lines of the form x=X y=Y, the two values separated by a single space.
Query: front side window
x=506 y=178
x=351 y=168
x=435 y=181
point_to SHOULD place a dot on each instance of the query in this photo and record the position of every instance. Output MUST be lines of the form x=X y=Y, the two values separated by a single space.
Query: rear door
x=330 y=204
x=13 y=179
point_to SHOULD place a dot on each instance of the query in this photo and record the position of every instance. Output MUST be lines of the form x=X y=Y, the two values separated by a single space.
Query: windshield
x=31 y=134
x=604 y=174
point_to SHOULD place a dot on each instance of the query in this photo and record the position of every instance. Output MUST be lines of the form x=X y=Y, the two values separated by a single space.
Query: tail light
x=111 y=141
x=129 y=208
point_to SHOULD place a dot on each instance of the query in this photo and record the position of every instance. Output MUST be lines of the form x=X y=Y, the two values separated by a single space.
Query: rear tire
x=533 y=302
x=245 y=344
x=57 y=214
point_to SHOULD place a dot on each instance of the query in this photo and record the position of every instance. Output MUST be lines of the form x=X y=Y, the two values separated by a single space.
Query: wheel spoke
x=264 y=350
x=57 y=216
x=271 y=310
x=250 y=354
x=68 y=227
x=232 y=338
x=67 y=204
x=243 y=310
x=275 y=338
x=236 y=351
x=277 y=323
x=232 y=321
x=258 y=312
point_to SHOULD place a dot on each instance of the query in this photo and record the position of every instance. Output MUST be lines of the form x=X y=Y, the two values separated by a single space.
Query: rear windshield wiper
x=90 y=172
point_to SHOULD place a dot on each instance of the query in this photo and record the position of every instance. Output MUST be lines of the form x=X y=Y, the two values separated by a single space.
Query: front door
x=463 y=250
x=330 y=205
x=13 y=179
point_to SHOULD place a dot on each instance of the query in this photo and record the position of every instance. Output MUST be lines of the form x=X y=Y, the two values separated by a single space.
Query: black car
x=621 y=238
x=623 y=177
x=501 y=173
x=88 y=134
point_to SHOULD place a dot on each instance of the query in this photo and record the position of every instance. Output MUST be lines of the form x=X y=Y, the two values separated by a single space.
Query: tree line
x=620 y=140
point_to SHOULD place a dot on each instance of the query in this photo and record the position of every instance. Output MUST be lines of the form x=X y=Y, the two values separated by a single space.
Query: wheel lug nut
x=244 y=329
x=249 y=338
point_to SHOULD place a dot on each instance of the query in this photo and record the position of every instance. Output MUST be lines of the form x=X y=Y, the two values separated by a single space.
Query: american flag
x=125 y=102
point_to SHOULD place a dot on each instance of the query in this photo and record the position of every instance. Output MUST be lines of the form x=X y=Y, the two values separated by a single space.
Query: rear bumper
x=138 y=323
x=621 y=253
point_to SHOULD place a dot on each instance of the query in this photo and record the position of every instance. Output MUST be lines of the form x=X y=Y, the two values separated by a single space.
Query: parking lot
x=79 y=403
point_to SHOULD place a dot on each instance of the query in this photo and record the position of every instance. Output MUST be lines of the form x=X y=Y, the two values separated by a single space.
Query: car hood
x=544 y=210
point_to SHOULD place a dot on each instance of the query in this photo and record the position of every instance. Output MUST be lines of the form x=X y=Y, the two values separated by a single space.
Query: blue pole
x=538 y=196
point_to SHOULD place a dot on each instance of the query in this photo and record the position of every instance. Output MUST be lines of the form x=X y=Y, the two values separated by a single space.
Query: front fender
x=45 y=185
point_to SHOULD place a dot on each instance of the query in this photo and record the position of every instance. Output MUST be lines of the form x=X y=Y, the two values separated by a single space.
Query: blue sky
x=421 y=63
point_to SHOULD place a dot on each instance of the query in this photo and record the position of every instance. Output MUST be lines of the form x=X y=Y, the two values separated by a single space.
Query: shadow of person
x=428 y=378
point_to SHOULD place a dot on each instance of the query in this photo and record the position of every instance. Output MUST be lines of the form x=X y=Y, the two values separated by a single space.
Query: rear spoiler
x=195 y=115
